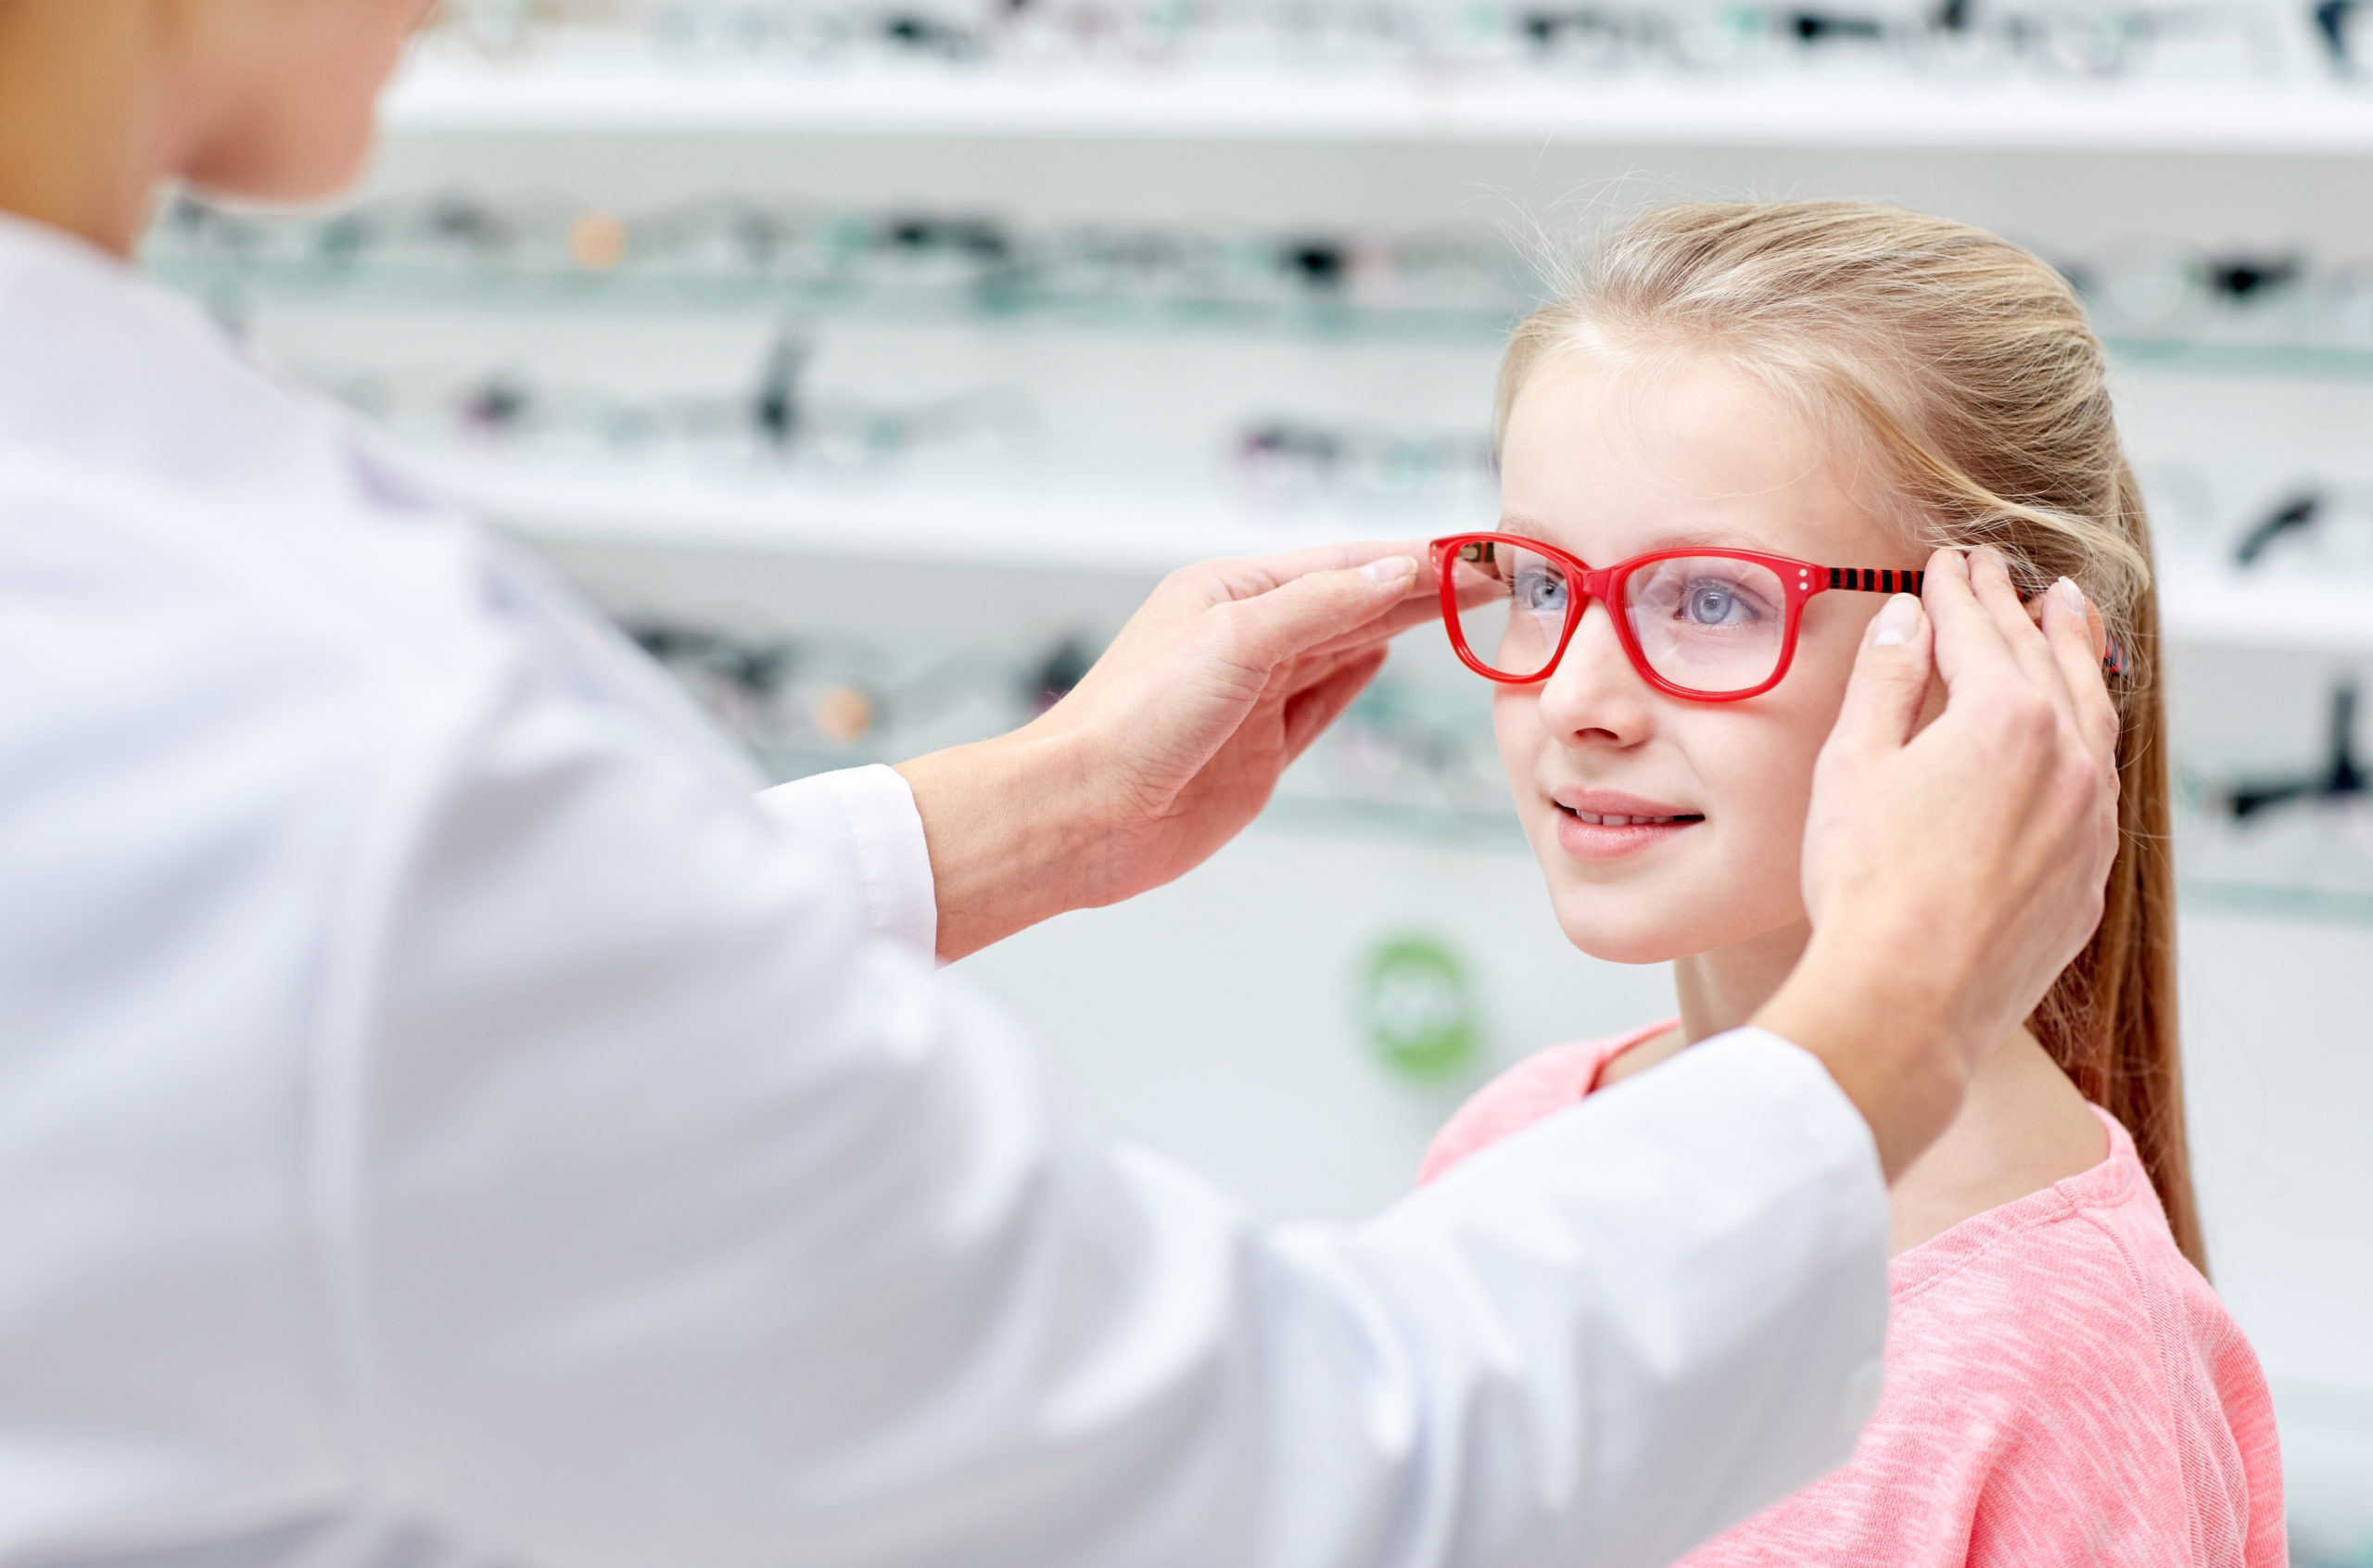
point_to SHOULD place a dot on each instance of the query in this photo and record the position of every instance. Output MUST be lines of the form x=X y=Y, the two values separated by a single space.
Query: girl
x=1735 y=422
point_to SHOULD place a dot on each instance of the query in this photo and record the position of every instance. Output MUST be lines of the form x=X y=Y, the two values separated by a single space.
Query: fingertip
x=1947 y=561
x=1898 y=622
x=1392 y=571
x=2063 y=610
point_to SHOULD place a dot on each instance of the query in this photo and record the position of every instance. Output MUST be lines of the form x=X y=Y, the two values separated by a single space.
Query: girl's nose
x=1594 y=697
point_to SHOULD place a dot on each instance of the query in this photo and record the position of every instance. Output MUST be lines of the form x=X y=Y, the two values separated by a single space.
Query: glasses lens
x=1512 y=605
x=1708 y=622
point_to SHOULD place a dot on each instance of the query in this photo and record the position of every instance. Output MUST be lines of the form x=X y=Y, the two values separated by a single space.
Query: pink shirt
x=2062 y=1386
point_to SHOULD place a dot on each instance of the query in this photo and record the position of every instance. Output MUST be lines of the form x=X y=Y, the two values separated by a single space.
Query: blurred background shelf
x=1049 y=528
x=447 y=94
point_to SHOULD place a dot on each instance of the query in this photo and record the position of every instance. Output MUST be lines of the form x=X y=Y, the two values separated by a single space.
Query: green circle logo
x=1416 y=1007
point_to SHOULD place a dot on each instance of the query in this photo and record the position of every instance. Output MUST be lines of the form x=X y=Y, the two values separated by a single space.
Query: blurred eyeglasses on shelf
x=2317 y=529
x=1692 y=37
x=776 y=418
x=2248 y=308
x=1406 y=758
x=2150 y=299
x=2344 y=29
x=807 y=705
x=2301 y=838
x=1305 y=462
x=457 y=248
x=2167 y=285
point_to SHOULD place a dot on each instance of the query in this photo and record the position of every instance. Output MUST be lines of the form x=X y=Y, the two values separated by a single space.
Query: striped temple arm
x=1865 y=580
x=1868 y=581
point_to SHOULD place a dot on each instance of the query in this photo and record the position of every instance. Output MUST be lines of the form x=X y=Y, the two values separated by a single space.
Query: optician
x=447 y=1114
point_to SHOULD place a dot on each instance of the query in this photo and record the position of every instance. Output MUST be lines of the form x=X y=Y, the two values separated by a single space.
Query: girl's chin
x=1627 y=942
x=1625 y=927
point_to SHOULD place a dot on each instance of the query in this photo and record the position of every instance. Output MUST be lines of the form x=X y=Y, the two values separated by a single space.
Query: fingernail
x=1898 y=619
x=1391 y=569
x=2071 y=596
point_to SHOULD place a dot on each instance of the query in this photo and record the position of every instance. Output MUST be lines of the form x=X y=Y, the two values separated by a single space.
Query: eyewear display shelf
x=454 y=91
x=1355 y=147
x=560 y=291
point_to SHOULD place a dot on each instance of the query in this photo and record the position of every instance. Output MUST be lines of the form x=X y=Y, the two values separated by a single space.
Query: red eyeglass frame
x=1799 y=579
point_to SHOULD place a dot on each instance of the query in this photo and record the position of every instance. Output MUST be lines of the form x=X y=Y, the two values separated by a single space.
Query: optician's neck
x=85 y=141
x=1723 y=989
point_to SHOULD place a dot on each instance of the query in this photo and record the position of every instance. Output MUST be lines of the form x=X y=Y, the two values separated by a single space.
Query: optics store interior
x=870 y=360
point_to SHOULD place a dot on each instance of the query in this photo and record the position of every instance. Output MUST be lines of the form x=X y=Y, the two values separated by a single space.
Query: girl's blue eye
x=1713 y=602
x=1540 y=590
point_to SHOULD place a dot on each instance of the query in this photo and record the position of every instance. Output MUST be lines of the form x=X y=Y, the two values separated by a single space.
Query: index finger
x=1969 y=644
x=1989 y=578
x=1245 y=576
x=1417 y=610
x=2069 y=623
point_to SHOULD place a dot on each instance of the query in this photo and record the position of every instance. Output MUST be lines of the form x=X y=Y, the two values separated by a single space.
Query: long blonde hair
x=1968 y=364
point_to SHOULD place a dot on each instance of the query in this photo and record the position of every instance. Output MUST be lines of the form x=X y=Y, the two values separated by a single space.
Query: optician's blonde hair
x=1967 y=367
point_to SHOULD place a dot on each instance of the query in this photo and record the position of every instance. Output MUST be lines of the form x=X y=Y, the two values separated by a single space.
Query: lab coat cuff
x=1820 y=1106
x=865 y=819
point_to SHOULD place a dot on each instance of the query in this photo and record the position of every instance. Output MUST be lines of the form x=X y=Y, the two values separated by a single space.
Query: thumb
x=1295 y=617
x=1890 y=681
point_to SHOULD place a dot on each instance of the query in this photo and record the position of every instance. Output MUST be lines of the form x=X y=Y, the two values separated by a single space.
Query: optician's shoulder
x=241 y=646
x=231 y=651
x=179 y=525
x=267 y=639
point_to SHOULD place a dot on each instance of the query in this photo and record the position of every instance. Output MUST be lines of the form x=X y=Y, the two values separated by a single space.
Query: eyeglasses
x=758 y=252
x=782 y=418
x=1299 y=461
x=1712 y=626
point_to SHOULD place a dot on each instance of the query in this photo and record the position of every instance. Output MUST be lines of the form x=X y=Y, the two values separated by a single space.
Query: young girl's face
x=1612 y=463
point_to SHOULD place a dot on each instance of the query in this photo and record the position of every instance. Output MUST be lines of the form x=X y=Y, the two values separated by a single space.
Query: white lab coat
x=446 y=1116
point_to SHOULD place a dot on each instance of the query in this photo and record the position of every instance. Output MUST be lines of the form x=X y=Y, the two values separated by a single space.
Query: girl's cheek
x=1758 y=774
x=1516 y=724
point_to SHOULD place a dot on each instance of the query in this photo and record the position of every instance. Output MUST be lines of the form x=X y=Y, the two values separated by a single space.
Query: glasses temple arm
x=1865 y=579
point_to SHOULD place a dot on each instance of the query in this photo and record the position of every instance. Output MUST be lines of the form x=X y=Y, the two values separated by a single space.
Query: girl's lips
x=1606 y=826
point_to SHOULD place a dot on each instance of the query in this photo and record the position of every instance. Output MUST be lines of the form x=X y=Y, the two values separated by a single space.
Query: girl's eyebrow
x=1530 y=528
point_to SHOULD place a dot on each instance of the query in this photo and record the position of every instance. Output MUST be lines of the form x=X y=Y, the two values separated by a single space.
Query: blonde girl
x=1729 y=429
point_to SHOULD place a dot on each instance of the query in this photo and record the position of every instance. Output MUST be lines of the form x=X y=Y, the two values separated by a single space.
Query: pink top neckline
x=2104 y=1184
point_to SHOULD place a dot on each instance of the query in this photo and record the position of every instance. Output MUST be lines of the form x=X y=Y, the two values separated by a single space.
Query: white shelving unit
x=450 y=94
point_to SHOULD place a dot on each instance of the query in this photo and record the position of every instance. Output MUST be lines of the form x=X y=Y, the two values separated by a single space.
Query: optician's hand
x=1173 y=742
x=1952 y=874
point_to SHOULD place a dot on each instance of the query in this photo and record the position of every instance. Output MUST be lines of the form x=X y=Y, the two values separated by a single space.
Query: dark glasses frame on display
x=1799 y=581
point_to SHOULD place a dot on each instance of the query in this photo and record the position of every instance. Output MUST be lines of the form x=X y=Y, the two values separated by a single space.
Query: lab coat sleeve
x=669 y=1214
x=863 y=821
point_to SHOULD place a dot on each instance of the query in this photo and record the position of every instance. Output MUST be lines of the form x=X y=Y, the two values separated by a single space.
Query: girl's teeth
x=1612 y=821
